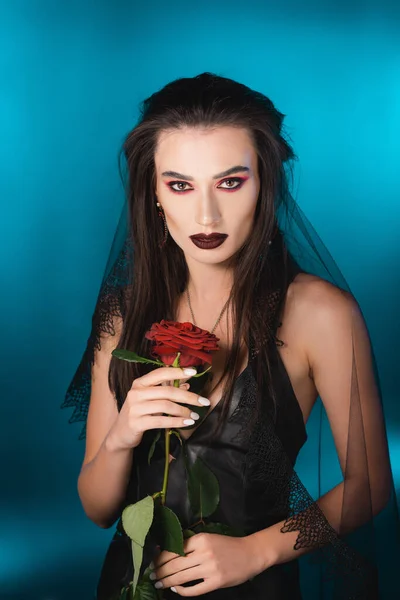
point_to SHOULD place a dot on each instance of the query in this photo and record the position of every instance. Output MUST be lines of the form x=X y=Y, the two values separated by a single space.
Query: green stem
x=167 y=442
x=197 y=523
x=166 y=467
x=167 y=446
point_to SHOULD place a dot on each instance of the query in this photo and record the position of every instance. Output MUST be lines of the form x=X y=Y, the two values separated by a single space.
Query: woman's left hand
x=220 y=560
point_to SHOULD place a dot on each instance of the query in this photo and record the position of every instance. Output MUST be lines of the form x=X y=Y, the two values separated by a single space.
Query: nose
x=207 y=210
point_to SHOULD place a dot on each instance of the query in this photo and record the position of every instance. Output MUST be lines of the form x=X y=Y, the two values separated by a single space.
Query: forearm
x=275 y=546
x=103 y=482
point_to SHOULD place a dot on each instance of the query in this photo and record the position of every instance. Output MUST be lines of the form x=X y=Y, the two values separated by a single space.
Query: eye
x=180 y=186
x=233 y=183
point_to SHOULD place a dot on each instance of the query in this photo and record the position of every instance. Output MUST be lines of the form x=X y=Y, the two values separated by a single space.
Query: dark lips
x=208 y=241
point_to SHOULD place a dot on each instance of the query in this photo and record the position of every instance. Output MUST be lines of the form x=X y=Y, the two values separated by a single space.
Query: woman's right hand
x=146 y=402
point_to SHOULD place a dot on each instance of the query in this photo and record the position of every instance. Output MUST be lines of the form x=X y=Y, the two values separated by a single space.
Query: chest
x=216 y=385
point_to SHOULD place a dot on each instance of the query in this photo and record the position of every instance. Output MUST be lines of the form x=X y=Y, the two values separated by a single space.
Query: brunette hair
x=261 y=271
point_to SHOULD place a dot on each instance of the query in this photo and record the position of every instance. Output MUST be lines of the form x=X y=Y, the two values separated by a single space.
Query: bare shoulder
x=311 y=296
x=316 y=307
x=314 y=312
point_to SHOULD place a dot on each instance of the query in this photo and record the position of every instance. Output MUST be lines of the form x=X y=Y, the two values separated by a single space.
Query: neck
x=209 y=283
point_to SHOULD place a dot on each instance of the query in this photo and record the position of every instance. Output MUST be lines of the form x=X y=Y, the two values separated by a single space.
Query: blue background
x=72 y=75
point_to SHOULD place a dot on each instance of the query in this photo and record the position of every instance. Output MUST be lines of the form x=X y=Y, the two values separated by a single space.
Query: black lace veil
x=353 y=536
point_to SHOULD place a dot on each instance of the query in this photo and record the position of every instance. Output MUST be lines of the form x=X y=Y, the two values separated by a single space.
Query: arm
x=105 y=471
x=337 y=345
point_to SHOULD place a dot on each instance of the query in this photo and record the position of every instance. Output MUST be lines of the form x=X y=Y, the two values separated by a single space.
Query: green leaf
x=137 y=554
x=203 y=489
x=133 y=357
x=174 y=432
x=136 y=520
x=202 y=373
x=153 y=445
x=145 y=591
x=188 y=533
x=169 y=530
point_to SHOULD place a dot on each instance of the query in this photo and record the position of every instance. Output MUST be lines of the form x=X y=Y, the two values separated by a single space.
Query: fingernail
x=174 y=590
x=195 y=416
x=188 y=422
x=158 y=585
x=189 y=371
x=152 y=576
x=204 y=401
x=151 y=565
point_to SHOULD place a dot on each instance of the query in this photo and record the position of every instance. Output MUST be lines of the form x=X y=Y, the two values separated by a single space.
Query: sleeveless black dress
x=243 y=501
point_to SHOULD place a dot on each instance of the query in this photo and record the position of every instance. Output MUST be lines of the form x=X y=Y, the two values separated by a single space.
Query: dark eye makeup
x=236 y=181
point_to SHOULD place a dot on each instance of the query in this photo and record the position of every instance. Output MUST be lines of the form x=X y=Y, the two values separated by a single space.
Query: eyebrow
x=231 y=171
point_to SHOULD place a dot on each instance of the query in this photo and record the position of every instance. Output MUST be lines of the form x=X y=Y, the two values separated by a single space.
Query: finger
x=180 y=563
x=162 y=374
x=171 y=393
x=167 y=407
x=194 y=590
x=164 y=557
x=161 y=422
x=181 y=577
x=183 y=384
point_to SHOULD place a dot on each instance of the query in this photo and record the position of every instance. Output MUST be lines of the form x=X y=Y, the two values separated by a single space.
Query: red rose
x=194 y=344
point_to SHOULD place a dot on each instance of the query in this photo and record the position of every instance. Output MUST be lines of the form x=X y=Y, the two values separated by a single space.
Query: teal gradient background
x=72 y=75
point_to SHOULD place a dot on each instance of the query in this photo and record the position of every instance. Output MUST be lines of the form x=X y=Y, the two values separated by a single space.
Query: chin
x=211 y=257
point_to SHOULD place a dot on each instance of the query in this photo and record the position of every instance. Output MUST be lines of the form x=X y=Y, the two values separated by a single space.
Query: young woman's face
x=207 y=182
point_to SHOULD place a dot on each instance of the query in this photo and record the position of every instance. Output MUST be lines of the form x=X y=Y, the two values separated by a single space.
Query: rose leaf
x=188 y=533
x=153 y=445
x=202 y=373
x=136 y=520
x=168 y=530
x=145 y=590
x=203 y=489
x=133 y=357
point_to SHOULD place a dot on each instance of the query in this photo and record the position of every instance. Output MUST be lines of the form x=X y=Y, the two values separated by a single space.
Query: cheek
x=241 y=219
x=175 y=217
x=241 y=213
x=178 y=222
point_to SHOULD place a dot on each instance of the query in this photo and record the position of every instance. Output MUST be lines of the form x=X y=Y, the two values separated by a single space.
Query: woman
x=208 y=158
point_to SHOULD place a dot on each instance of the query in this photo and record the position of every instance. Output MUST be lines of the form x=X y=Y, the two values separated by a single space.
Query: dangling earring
x=161 y=214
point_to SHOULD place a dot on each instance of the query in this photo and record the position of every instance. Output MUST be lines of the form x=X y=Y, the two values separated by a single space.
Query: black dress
x=244 y=502
x=254 y=465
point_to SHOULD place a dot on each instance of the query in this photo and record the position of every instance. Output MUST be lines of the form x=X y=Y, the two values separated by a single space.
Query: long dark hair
x=261 y=271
